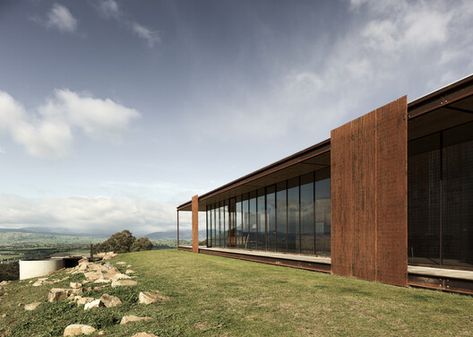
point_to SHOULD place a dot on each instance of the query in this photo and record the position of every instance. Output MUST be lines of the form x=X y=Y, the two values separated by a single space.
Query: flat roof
x=436 y=99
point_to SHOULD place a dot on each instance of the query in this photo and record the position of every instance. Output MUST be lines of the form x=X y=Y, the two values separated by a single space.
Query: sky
x=113 y=112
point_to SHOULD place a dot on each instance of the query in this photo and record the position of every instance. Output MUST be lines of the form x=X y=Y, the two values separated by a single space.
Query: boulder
x=133 y=318
x=149 y=297
x=75 y=285
x=78 y=329
x=41 y=281
x=110 y=301
x=4 y=283
x=143 y=334
x=121 y=263
x=120 y=276
x=124 y=283
x=102 y=281
x=32 y=306
x=129 y=272
x=94 y=304
x=58 y=294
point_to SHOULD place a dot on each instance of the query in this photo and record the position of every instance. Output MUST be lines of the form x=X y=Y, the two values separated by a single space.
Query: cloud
x=86 y=214
x=151 y=37
x=61 y=18
x=111 y=10
x=49 y=132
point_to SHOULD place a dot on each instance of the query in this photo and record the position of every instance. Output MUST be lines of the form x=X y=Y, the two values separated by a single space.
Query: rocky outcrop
x=149 y=297
x=133 y=318
x=78 y=329
x=110 y=301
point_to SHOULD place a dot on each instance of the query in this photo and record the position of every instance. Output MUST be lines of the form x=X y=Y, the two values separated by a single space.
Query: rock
x=94 y=304
x=124 y=283
x=120 y=276
x=4 y=315
x=76 y=291
x=58 y=294
x=144 y=334
x=83 y=300
x=32 y=306
x=110 y=301
x=4 y=283
x=129 y=272
x=102 y=281
x=121 y=263
x=149 y=297
x=93 y=275
x=133 y=318
x=75 y=285
x=78 y=329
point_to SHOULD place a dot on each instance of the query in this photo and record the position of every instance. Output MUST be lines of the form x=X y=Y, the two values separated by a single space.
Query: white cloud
x=61 y=18
x=49 y=133
x=85 y=214
x=111 y=10
x=151 y=37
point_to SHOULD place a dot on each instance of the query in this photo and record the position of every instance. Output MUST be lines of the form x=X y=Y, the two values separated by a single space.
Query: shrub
x=142 y=244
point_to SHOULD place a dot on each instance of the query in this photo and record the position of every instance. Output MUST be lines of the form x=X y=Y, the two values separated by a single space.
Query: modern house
x=388 y=198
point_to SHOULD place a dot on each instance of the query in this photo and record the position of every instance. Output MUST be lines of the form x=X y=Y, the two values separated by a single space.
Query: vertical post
x=195 y=224
x=177 y=234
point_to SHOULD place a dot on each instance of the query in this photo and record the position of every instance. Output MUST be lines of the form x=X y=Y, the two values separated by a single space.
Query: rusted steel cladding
x=195 y=224
x=369 y=195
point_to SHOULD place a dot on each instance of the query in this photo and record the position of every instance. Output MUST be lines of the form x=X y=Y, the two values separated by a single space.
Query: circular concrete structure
x=37 y=268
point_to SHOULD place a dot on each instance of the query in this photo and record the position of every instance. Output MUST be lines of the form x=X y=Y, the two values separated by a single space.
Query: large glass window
x=441 y=198
x=281 y=216
x=253 y=229
x=293 y=229
x=245 y=222
x=271 y=218
x=261 y=220
x=215 y=226
x=322 y=212
x=239 y=222
x=231 y=239
x=307 y=214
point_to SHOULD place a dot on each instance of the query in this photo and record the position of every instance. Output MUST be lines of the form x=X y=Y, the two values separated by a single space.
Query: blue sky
x=113 y=112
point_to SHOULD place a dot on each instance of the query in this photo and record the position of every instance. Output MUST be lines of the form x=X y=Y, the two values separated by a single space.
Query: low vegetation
x=215 y=296
x=124 y=242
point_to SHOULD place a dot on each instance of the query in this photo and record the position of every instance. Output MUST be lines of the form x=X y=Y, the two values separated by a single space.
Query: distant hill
x=23 y=236
x=171 y=235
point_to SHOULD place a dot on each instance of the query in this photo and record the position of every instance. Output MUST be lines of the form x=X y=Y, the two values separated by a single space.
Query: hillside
x=171 y=235
x=213 y=296
x=10 y=238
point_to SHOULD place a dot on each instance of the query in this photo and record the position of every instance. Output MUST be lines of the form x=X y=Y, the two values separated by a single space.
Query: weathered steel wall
x=195 y=224
x=369 y=195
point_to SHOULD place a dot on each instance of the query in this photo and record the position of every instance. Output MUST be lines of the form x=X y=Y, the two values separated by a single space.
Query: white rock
x=149 y=297
x=129 y=272
x=4 y=283
x=94 y=304
x=75 y=285
x=144 y=334
x=78 y=329
x=120 y=276
x=124 y=283
x=83 y=300
x=110 y=301
x=121 y=263
x=133 y=318
x=41 y=281
x=32 y=306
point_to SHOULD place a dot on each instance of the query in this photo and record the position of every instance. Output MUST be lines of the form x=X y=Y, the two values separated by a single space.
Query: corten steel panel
x=364 y=183
x=369 y=196
x=195 y=224
x=391 y=183
x=342 y=233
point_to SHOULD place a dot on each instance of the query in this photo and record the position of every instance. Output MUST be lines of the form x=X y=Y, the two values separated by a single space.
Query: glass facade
x=291 y=216
x=441 y=198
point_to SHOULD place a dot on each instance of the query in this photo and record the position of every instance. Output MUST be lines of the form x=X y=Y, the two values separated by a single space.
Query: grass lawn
x=216 y=296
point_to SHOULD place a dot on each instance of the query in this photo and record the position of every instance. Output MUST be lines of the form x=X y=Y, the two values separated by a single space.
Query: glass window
x=271 y=218
x=246 y=222
x=322 y=212
x=214 y=225
x=226 y=227
x=293 y=229
x=281 y=216
x=239 y=222
x=261 y=220
x=307 y=214
x=208 y=224
x=220 y=225
x=231 y=240
x=252 y=230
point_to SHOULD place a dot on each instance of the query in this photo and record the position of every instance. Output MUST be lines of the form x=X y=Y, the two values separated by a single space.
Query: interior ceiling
x=446 y=117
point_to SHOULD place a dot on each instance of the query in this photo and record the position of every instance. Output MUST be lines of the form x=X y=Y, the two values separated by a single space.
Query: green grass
x=215 y=296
